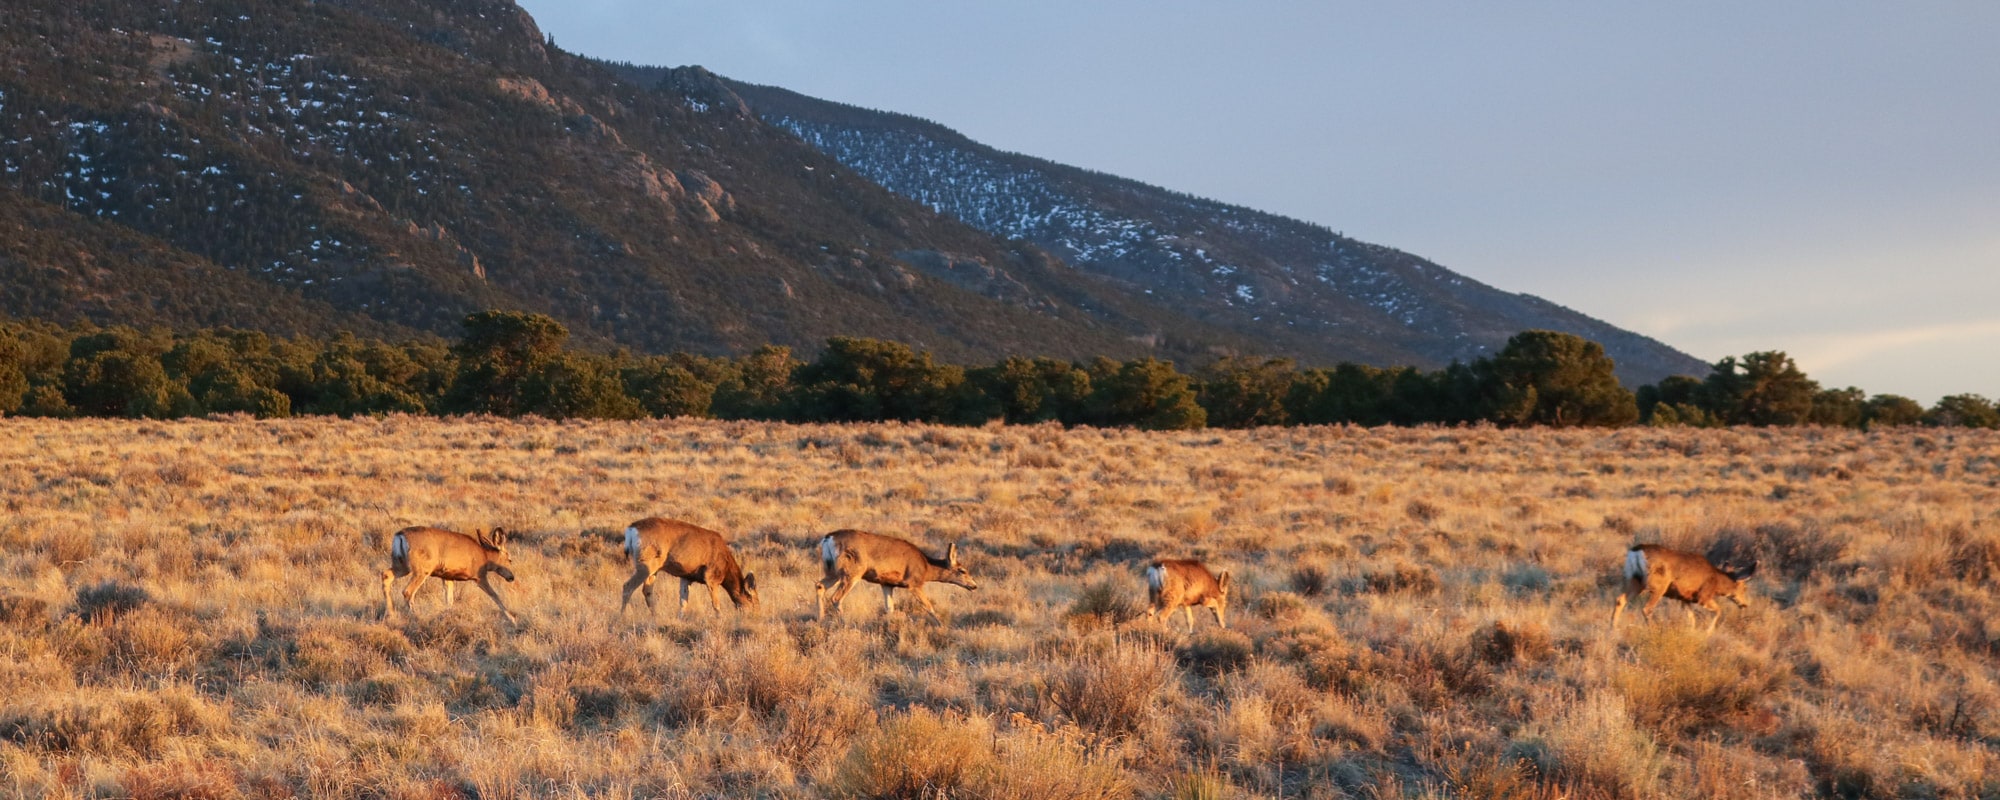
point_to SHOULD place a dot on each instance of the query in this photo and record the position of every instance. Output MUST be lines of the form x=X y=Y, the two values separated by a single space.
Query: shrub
x=917 y=756
x=105 y=601
x=1039 y=764
x=1107 y=692
x=1215 y=651
x=1402 y=577
x=1501 y=644
x=1103 y=603
x=1684 y=682
x=1311 y=580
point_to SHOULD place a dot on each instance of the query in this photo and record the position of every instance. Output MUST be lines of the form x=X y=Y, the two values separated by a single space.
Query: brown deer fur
x=849 y=556
x=1184 y=584
x=1660 y=572
x=425 y=553
x=690 y=553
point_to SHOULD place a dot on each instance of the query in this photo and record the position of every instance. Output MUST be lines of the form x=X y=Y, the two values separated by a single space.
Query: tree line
x=515 y=364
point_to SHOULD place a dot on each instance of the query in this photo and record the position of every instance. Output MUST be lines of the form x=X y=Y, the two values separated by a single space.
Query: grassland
x=189 y=609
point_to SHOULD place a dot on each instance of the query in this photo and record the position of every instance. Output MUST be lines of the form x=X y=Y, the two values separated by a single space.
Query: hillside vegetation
x=190 y=609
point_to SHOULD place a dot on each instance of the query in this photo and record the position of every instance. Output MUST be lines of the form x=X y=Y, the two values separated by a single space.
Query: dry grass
x=188 y=609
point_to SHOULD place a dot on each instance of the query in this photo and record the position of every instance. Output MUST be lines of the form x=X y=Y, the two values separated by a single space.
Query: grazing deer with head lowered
x=849 y=556
x=1660 y=572
x=1184 y=584
x=690 y=553
x=424 y=553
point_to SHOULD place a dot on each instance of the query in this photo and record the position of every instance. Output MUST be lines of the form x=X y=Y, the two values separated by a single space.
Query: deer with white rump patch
x=849 y=556
x=423 y=553
x=1660 y=572
x=690 y=553
x=1184 y=584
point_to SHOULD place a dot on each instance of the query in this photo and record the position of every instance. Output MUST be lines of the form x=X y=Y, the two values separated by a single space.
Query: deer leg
x=640 y=577
x=715 y=596
x=1190 y=617
x=1716 y=612
x=924 y=601
x=888 y=600
x=839 y=594
x=410 y=590
x=449 y=587
x=388 y=581
x=683 y=607
x=488 y=587
x=1652 y=601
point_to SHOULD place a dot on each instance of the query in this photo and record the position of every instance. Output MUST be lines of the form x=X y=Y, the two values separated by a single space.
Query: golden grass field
x=189 y=609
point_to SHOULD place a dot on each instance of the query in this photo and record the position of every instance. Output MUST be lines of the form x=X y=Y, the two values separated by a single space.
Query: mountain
x=1300 y=288
x=387 y=166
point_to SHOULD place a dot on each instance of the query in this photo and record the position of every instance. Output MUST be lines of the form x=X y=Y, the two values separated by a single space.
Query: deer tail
x=829 y=551
x=1156 y=577
x=632 y=542
x=399 y=547
x=1635 y=564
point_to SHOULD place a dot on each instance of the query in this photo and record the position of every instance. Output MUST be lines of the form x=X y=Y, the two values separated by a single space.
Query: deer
x=886 y=561
x=1183 y=584
x=424 y=552
x=691 y=553
x=1662 y=572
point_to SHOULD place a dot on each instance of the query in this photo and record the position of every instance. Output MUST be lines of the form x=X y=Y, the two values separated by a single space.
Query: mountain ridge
x=1171 y=228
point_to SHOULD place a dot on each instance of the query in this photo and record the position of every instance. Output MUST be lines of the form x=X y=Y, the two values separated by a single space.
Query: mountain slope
x=387 y=166
x=1300 y=288
x=391 y=165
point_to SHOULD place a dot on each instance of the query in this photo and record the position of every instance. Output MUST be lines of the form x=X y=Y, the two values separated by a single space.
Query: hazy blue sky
x=1819 y=177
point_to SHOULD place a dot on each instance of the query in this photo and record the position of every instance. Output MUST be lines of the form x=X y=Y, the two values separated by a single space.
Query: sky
x=1821 y=178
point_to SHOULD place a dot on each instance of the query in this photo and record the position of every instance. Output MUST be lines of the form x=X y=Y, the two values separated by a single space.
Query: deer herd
x=698 y=555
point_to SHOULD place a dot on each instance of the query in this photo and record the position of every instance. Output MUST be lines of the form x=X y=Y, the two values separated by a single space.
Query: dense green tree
x=858 y=379
x=1841 y=408
x=1145 y=393
x=1963 y=411
x=1246 y=392
x=1672 y=392
x=1887 y=410
x=229 y=371
x=575 y=386
x=1555 y=379
x=679 y=385
x=1764 y=388
x=757 y=385
x=120 y=383
x=1031 y=390
x=348 y=376
x=1348 y=393
x=501 y=350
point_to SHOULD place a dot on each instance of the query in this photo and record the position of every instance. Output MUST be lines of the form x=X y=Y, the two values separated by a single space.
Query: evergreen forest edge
x=510 y=364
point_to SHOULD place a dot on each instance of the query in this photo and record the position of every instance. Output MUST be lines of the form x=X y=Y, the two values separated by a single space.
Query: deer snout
x=504 y=573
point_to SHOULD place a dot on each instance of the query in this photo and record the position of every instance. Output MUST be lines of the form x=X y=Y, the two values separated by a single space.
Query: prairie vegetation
x=190 y=609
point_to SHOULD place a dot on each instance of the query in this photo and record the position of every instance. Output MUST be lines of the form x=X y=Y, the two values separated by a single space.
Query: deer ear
x=1225 y=581
x=951 y=554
